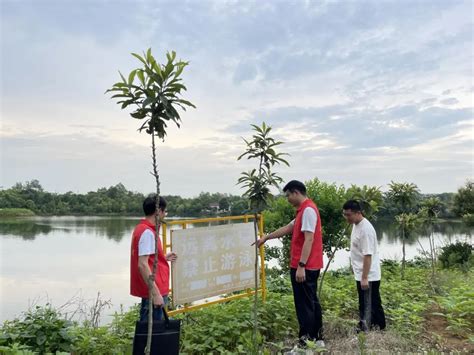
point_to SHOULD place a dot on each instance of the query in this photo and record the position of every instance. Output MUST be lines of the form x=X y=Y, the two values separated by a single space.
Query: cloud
x=359 y=92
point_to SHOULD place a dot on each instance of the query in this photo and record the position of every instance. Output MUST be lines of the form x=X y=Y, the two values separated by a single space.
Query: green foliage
x=405 y=299
x=329 y=199
x=404 y=196
x=257 y=182
x=408 y=223
x=15 y=212
x=41 y=329
x=114 y=200
x=154 y=90
x=279 y=214
x=430 y=209
x=226 y=328
x=457 y=303
x=369 y=197
x=231 y=325
x=468 y=218
x=458 y=254
x=464 y=199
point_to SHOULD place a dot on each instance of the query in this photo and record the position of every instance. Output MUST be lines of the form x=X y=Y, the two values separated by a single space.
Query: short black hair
x=149 y=205
x=352 y=205
x=295 y=185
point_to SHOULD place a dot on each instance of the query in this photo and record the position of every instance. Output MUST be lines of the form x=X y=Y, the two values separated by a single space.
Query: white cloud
x=361 y=93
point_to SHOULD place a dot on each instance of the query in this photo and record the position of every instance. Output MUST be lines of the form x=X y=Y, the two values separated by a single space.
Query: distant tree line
x=117 y=200
x=114 y=200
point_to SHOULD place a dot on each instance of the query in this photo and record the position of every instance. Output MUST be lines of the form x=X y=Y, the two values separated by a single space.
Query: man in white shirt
x=366 y=266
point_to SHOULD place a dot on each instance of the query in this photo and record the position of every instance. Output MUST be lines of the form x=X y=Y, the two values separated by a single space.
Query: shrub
x=458 y=254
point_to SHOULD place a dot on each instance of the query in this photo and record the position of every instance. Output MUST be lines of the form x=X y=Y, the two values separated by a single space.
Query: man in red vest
x=141 y=260
x=306 y=255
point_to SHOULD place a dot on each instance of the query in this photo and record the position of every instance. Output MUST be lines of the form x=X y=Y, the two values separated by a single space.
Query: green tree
x=257 y=183
x=155 y=99
x=404 y=196
x=428 y=215
x=464 y=201
x=224 y=204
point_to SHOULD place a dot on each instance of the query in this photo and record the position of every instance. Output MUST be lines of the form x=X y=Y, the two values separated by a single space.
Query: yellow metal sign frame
x=184 y=224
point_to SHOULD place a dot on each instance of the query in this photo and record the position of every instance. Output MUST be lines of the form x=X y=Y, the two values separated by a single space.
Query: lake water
x=66 y=261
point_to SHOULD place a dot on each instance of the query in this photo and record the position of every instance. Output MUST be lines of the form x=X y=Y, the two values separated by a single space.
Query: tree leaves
x=257 y=182
x=157 y=95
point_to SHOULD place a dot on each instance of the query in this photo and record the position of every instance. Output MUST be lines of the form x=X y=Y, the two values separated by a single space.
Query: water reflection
x=25 y=229
x=117 y=228
x=29 y=228
x=114 y=228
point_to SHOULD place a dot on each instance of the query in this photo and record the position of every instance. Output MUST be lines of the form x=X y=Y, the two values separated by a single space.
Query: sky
x=360 y=92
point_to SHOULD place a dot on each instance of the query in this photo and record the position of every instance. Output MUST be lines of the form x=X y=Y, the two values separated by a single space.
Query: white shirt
x=364 y=242
x=146 y=244
x=308 y=224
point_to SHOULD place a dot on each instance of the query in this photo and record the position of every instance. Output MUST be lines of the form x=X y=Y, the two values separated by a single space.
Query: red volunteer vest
x=138 y=287
x=315 y=260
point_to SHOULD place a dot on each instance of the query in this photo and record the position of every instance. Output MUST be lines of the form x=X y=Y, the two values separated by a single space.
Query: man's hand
x=171 y=256
x=158 y=300
x=300 y=274
x=364 y=284
x=260 y=242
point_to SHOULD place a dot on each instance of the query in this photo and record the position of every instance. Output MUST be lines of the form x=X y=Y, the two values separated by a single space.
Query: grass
x=15 y=212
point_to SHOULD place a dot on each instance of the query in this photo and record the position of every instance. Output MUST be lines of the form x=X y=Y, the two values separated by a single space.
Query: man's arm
x=364 y=282
x=145 y=271
x=280 y=232
x=307 y=245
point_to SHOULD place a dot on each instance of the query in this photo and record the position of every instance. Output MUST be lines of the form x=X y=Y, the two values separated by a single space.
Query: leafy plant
x=458 y=254
x=430 y=209
x=464 y=199
x=41 y=329
x=405 y=197
x=155 y=98
x=257 y=183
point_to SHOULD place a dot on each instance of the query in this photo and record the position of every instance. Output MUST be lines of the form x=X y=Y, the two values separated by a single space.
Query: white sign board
x=212 y=261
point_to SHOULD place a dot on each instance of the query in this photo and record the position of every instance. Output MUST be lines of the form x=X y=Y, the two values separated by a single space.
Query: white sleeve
x=368 y=239
x=292 y=222
x=146 y=245
x=309 y=220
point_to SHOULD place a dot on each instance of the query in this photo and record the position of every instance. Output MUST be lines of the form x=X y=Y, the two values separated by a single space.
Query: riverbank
x=15 y=212
x=424 y=313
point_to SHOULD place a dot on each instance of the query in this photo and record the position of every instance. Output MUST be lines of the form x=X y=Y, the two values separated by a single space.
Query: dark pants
x=308 y=309
x=157 y=311
x=370 y=307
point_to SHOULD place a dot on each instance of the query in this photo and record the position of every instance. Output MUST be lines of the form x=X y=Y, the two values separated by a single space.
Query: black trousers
x=370 y=306
x=308 y=309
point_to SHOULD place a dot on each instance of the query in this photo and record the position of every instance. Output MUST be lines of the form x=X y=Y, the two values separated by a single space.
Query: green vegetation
x=458 y=255
x=115 y=200
x=227 y=328
x=15 y=212
x=257 y=182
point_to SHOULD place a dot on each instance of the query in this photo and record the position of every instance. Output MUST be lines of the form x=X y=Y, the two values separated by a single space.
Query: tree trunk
x=255 y=300
x=331 y=258
x=403 y=252
x=151 y=279
x=432 y=250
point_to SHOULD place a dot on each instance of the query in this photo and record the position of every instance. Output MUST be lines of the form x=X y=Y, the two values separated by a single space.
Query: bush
x=41 y=329
x=456 y=255
x=15 y=212
x=468 y=218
